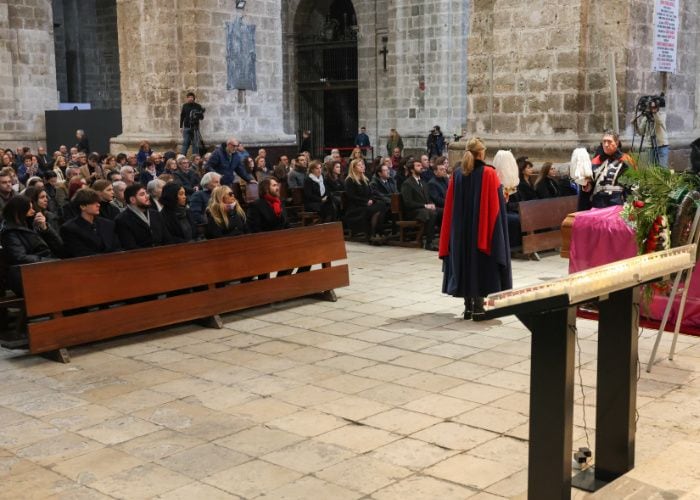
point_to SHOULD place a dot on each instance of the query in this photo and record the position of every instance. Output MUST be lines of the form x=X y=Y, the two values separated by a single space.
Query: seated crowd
x=76 y=203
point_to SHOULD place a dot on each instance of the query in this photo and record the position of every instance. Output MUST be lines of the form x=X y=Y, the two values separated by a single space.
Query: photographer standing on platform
x=190 y=115
x=649 y=108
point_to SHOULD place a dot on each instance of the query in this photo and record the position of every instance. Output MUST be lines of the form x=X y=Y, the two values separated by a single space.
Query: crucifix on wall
x=384 y=50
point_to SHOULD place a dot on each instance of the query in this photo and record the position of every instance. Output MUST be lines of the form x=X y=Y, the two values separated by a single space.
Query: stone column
x=543 y=88
x=168 y=47
x=28 y=75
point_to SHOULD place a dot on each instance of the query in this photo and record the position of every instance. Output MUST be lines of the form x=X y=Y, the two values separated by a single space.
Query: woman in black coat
x=547 y=185
x=176 y=216
x=105 y=190
x=361 y=208
x=225 y=217
x=26 y=238
x=316 y=195
x=40 y=202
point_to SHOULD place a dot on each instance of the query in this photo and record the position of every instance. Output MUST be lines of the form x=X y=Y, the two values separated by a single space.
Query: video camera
x=196 y=115
x=644 y=104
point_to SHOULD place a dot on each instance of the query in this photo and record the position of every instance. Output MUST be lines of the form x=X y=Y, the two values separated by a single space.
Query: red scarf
x=275 y=203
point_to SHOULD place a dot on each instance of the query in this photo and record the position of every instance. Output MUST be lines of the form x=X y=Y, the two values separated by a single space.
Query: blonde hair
x=313 y=165
x=358 y=177
x=474 y=146
x=217 y=209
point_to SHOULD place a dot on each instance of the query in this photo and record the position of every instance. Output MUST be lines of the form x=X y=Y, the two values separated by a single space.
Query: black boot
x=468 y=308
x=477 y=306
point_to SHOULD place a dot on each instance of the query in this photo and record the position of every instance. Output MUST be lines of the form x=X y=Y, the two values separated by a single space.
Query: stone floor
x=385 y=394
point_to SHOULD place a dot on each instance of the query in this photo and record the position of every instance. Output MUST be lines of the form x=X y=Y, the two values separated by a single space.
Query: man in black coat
x=88 y=233
x=267 y=213
x=417 y=204
x=140 y=226
x=383 y=186
x=438 y=186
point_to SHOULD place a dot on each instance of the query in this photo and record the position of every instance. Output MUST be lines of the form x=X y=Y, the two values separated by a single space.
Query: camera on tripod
x=195 y=116
x=646 y=102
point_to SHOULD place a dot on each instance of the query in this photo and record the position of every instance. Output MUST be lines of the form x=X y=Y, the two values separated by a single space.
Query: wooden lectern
x=548 y=310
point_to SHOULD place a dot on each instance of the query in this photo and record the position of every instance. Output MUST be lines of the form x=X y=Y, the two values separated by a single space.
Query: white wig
x=507 y=170
x=580 y=168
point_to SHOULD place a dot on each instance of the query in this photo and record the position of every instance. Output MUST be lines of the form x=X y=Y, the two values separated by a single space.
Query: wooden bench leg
x=59 y=355
x=329 y=296
x=536 y=256
x=214 y=322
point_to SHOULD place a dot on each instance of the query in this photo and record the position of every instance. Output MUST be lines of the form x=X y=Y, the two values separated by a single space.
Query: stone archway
x=321 y=68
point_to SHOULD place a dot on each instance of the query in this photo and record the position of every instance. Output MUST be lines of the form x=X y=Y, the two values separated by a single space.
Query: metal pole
x=613 y=91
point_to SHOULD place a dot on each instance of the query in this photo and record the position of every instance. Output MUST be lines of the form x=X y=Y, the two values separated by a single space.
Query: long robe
x=474 y=243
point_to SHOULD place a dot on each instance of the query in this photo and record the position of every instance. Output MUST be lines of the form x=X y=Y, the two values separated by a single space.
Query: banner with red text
x=666 y=27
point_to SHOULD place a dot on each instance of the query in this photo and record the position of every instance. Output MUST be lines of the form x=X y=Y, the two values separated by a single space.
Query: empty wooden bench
x=541 y=220
x=75 y=301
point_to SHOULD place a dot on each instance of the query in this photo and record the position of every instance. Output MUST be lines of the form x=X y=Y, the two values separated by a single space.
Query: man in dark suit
x=140 y=225
x=417 y=204
x=88 y=233
x=383 y=186
x=438 y=186
x=267 y=212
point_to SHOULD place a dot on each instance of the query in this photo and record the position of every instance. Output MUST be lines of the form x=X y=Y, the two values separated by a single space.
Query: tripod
x=650 y=130
x=197 y=141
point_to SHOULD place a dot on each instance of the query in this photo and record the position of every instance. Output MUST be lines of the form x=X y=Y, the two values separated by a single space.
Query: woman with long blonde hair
x=362 y=211
x=225 y=216
x=474 y=237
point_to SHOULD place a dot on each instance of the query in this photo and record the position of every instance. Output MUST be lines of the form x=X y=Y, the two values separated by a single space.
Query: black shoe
x=478 y=306
x=468 y=308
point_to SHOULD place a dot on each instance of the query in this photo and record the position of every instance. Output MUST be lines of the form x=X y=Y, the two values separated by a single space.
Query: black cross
x=384 y=52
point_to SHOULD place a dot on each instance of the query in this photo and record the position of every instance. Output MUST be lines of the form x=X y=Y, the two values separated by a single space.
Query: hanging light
x=240 y=4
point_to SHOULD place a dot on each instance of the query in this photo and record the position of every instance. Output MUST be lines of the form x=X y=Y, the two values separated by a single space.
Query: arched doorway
x=326 y=73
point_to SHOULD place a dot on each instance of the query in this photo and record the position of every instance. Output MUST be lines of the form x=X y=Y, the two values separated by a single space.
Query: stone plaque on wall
x=240 y=56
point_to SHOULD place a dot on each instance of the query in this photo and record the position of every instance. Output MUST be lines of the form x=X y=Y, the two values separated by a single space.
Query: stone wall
x=168 y=47
x=426 y=42
x=28 y=76
x=539 y=78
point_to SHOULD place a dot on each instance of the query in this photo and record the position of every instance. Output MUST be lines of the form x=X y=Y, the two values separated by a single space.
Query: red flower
x=638 y=204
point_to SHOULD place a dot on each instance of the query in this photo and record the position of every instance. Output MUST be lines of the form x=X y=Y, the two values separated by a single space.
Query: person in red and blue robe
x=474 y=245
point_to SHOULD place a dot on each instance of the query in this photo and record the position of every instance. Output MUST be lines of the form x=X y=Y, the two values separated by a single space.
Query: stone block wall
x=425 y=82
x=169 y=47
x=539 y=77
x=28 y=76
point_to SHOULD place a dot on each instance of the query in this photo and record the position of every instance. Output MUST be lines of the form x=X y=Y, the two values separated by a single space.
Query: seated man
x=437 y=186
x=416 y=202
x=267 y=214
x=200 y=199
x=382 y=185
x=140 y=225
x=297 y=176
x=88 y=233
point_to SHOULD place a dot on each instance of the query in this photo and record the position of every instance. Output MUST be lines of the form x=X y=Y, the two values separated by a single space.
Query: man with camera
x=649 y=112
x=190 y=115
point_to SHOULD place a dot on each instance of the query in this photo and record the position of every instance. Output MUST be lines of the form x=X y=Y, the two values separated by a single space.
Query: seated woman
x=361 y=209
x=526 y=192
x=316 y=195
x=105 y=190
x=89 y=233
x=547 y=185
x=225 y=217
x=333 y=178
x=26 y=238
x=176 y=216
x=40 y=201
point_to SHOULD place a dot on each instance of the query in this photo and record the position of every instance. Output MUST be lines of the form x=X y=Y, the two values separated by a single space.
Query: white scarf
x=319 y=181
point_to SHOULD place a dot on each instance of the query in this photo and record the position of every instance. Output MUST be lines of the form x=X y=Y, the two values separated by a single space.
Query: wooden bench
x=406 y=226
x=75 y=301
x=540 y=223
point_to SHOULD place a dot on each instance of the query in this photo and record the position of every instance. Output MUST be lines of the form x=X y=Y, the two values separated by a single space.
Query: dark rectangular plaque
x=240 y=55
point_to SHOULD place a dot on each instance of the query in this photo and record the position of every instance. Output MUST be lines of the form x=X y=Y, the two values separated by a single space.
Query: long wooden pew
x=75 y=301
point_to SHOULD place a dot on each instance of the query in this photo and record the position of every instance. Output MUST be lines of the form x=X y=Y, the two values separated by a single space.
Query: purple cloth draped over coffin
x=600 y=236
